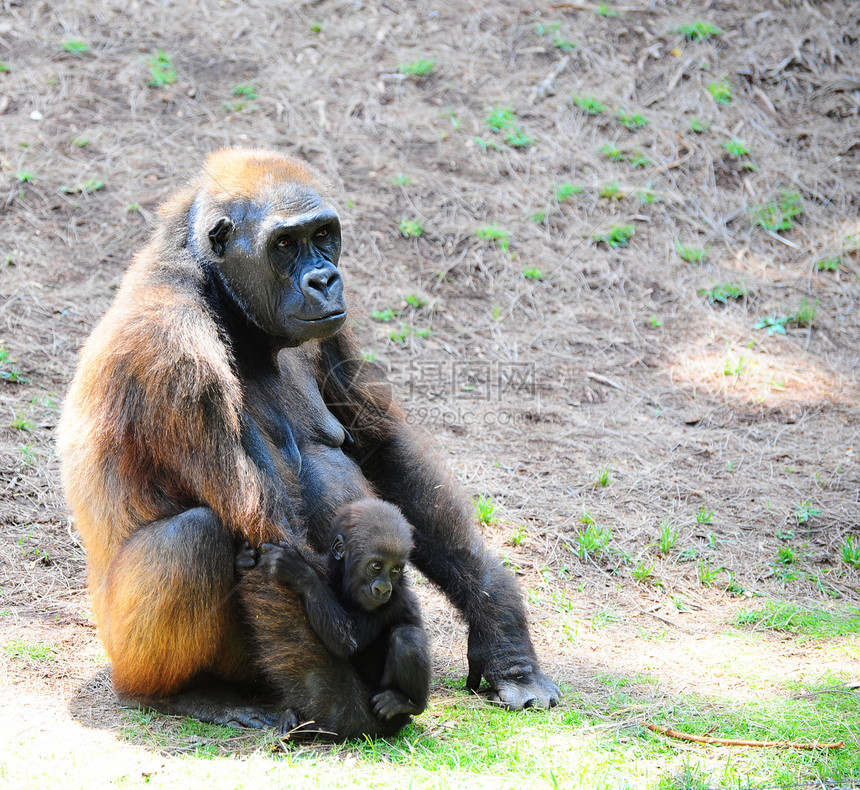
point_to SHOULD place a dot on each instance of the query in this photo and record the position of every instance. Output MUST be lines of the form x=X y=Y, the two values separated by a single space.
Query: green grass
x=421 y=67
x=612 y=152
x=803 y=511
x=703 y=515
x=75 y=46
x=698 y=30
x=779 y=214
x=500 y=118
x=603 y=478
x=806 y=312
x=496 y=234
x=851 y=551
x=566 y=191
x=774 y=323
x=690 y=254
x=591 y=541
x=552 y=32
x=517 y=138
x=611 y=191
x=668 y=536
x=24 y=177
x=698 y=127
x=8 y=371
x=615 y=235
x=83 y=187
x=162 y=72
x=410 y=228
x=721 y=91
x=413 y=300
x=736 y=148
x=485 y=509
x=588 y=104
x=247 y=91
x=629 y=120
x=21 y=423
x=639 y=160
x=833 y=264
x=384 y=316
x=810 y=622
x=721 y=293
x=400 y=180
x=533 y=273
x=31 y=652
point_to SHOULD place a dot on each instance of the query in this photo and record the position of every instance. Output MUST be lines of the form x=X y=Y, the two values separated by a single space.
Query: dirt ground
x=606 y=360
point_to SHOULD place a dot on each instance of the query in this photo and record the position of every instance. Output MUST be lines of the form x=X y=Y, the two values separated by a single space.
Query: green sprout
x=83 y=187
x=591 y=541
x=690 y=254
x=829 y=264
x=851 y=551
x=639 y=160
x=805 y=313
x=161 y=70
x=698 y=30
x=736 y=148
x=721 y=91
x=413 y=300
x=587 y=104
x=722 y=293
x=417 y=68
x=615 y=236
x=699 y=127
x=400 y=180
x=494 y=233
x=612 y=152
x=384 y=316
x=630 y=121
x=75 y=47
x=533 y=273
x=611 y=191
x=410 y=228
x=775 y=324
x=248 y=91
x=500 y=118
x=779 y=214
x=668 y=536
x=805 y=511
x=566 y=191
x=485 y=510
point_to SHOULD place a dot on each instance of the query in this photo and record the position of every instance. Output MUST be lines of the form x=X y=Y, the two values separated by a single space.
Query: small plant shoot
x=698 y=30
x=485 y=510
x=588 y=104
x=162 y=72
x=615 y=236
x=422 y=67
x=410 y=228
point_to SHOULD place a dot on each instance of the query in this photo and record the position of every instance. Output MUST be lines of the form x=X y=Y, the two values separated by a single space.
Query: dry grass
x=610 y=387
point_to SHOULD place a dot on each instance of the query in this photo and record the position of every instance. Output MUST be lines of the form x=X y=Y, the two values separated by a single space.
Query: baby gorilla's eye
x=376 y=566
x=322 y=233
x=396 y=570
x=284 y=241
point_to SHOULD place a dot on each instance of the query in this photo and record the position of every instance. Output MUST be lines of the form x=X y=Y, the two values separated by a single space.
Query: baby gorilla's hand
x=246 y=557
x=283 y=563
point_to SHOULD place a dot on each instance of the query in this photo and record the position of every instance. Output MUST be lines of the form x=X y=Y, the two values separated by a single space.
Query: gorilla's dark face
x=278 y=258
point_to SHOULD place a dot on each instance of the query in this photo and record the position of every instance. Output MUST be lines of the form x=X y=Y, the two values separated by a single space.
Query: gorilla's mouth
x=322 y=318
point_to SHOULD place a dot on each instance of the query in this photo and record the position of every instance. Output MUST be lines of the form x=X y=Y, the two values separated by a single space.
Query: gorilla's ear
x=219 y=234
x=338 y=548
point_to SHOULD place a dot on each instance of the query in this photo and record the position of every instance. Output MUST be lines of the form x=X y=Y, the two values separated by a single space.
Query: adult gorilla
x=220 y=400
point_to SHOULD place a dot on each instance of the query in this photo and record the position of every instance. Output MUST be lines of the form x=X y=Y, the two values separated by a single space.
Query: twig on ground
x=683 y=736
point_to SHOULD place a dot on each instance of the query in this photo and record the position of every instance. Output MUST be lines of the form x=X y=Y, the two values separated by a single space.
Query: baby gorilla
x=360 y=606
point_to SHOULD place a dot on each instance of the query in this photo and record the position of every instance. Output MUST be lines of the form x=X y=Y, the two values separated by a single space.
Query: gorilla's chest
x=302 y=442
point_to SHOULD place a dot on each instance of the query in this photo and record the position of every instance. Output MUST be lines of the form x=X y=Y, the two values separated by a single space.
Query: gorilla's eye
x=284 y=241
x=322 y=233
x=396 y=570
x=376 y=567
